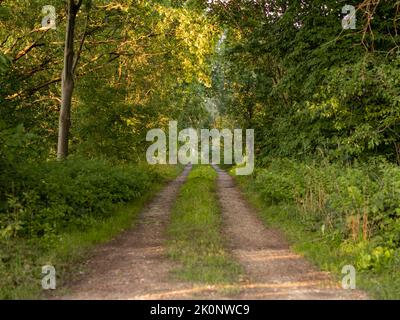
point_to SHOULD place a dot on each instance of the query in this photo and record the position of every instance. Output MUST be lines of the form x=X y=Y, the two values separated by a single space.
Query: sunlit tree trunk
x=67 y=80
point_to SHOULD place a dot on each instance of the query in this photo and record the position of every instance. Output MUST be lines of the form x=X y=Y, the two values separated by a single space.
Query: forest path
x=135 y=264
x=272 y=270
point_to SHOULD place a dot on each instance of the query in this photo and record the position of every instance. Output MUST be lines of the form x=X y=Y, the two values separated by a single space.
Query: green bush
x=359 y=204
x=48 y=197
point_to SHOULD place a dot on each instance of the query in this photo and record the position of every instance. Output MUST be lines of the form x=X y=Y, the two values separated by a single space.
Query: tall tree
x=67 y=78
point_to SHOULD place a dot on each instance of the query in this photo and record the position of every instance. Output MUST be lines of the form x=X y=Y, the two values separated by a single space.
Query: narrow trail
x=272 y=270
x=135 y=266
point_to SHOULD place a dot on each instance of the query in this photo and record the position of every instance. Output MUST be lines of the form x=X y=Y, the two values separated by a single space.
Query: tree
x=67 y=78
x=307 y=86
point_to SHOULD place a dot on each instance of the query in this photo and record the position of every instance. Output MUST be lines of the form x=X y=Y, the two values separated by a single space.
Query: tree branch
x=85 y=33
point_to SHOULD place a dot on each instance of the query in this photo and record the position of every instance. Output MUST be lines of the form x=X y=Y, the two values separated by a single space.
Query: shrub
x=359 y=203
x=48 y=197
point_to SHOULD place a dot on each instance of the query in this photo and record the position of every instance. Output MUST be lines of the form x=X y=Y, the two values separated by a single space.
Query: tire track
x=273 y=271
x=134 y=265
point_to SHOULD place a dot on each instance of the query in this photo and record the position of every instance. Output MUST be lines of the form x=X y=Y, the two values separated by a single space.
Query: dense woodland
x=324 y=103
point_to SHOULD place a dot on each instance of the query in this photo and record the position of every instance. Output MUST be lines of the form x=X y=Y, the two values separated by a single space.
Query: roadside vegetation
x=336 y=216
x=57 y=224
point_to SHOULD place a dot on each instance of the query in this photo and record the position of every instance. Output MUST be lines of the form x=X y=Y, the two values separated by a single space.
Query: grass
x=22 y=259
x=194 y=232
x=324 y=251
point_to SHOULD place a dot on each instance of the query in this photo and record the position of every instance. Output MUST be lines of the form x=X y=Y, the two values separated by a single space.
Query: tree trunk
x=67 y=81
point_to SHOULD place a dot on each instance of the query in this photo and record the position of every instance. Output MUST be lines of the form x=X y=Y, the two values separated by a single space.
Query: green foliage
x=358 y=204
x=5 y=63
x=308 y=87
x=21 y=259
x=55 y=196
x=324 y=103
x=140 y=64
x=287 y=69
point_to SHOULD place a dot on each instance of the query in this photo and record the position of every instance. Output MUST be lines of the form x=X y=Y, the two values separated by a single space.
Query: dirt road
x=135 y=264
